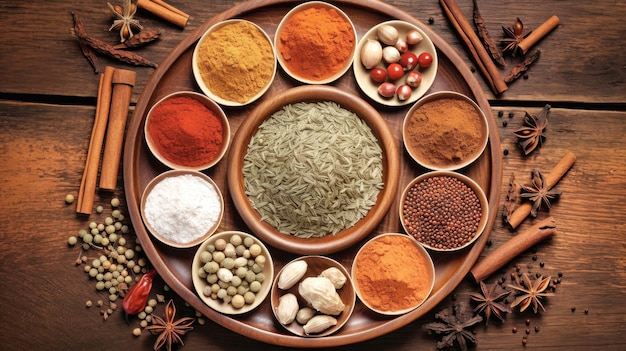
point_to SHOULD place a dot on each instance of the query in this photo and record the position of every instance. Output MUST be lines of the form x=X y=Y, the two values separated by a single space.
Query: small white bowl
x=370 y=88
x=425 y=264
x=480 y=194
x=416 y=152
x=197 y=69
x=211 y=106
x=201 y=283
x=303 y=7
x=150 y=223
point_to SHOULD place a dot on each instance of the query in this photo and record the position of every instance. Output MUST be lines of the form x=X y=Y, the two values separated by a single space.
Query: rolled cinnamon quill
x=86 y=193
x=512 y=248
x=536 y=35
x=474 y=45
x=520 y=213
x=165 y=11
x=123 y=82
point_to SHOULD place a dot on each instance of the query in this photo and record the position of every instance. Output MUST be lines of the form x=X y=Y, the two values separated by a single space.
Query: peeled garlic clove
x=318 y=324
x=320 y=293
x=335 y=275
x=304 y=315
x=371 y=53
x=388 y=34
x=291 y=274
x=287 y=308
x=391 y=54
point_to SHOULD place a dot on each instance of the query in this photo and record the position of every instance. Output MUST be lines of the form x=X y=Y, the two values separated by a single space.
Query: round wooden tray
x=174 y=265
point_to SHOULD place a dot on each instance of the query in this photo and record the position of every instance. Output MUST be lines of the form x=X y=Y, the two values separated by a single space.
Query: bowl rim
x=450 y=95
x=220 y=307
x=422 y=251
x=480 y=194
x=362 y=77
x=198 y=77
x=347 y=237
x=174 y=173
x=211 y=105
x=301 y=7
x=295 y=327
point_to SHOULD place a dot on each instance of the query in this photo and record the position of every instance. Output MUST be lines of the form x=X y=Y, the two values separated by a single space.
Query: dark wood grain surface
x=47 y=104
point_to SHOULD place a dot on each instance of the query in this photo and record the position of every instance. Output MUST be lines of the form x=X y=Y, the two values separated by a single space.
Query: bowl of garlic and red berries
x=395 y=63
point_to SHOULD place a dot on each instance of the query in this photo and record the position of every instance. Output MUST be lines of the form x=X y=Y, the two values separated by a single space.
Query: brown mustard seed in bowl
x=441 y=212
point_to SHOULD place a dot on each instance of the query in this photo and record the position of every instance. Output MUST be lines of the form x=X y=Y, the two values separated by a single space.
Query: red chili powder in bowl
x=185 y=131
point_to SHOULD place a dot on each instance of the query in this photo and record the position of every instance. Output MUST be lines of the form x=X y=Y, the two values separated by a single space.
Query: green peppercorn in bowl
x=232 y=272
x=444 y=210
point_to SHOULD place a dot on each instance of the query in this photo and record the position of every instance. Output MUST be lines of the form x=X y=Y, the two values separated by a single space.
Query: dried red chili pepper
x=137 y=296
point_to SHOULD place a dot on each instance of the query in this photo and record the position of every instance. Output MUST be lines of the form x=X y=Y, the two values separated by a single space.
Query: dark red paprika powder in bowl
x=187 y=131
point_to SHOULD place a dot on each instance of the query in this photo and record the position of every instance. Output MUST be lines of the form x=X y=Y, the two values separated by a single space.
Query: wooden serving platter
x=174 y=265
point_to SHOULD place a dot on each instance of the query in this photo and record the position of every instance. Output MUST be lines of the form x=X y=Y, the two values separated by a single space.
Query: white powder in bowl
x=182 y=208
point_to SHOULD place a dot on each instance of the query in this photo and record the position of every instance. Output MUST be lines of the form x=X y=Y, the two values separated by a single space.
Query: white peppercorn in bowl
x=452 y=200
x=181 y=208
x=314 y=266
x=228 y=289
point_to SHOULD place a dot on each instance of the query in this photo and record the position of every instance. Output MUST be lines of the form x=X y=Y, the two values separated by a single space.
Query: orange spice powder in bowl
x=393 y=274
x=315 y=43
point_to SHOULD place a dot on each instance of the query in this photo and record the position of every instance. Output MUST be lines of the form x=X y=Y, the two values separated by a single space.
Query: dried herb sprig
x=107 y=49
x=484 y=36
x=522 y=67
x=455 y=323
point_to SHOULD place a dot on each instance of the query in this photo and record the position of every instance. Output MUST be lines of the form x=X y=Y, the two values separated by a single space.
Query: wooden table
x=47 y=102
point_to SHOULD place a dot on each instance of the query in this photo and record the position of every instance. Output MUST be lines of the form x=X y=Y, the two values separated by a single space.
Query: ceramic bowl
x=198 y=68
x=419 y=153
x=370 y=87
x=328 y=243
x=165 y=157
x=315 y=266
x=480 y=194
x=411 y=254
x=201 y=283
x=171 y=213
x=283 y=62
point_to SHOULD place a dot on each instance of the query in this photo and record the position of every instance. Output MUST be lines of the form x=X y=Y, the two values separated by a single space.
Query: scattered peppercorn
x=537 y=329
x=500 y=113
x=534 y=257
x=504 y=123
x=69 y=198
x=573 y=309
x=524 y=341
x=586 y=311
x=525 y=76
x=514 y=330
x=527 y=331
x=431 y=20
x=506 y=152
x=511 y=114
x=473 y=69
x=560 y=274
x=489 y=243
x=541 y=264
x=528 y=322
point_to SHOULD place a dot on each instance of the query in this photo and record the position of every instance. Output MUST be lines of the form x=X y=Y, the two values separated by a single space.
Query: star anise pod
x=490 y=302
x=455 y=322
x=531 y=292
x=538 y=192
x=168 y=329
x=531 y=134
x=124 y=21
x=512 y=37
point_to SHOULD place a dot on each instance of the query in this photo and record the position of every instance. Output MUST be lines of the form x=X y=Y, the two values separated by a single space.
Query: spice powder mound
x=444 y=132
x=392 y=274
x=441 y=212
x=236 y=61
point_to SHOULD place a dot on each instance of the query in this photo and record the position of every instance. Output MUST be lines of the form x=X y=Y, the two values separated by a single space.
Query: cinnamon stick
x=537 y=34
x=512 y=248
x=123 y=82
x=86 y=193
x=551 y=179
x=165 y=11
x=474 y=45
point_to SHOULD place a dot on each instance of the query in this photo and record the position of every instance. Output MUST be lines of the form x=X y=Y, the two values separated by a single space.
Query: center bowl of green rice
x=313 y=170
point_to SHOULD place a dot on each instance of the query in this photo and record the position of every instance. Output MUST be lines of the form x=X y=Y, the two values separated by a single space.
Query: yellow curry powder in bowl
x=234 y=62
